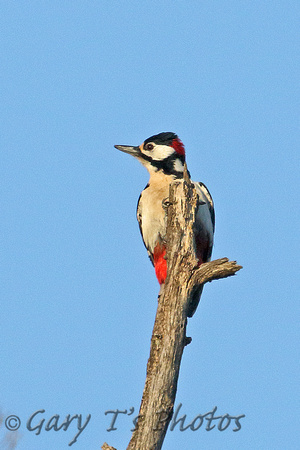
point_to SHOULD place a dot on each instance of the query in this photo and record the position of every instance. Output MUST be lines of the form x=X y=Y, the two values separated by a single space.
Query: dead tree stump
x=169 y=332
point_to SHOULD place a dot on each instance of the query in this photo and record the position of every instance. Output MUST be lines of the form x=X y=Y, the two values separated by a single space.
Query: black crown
x=162 y=138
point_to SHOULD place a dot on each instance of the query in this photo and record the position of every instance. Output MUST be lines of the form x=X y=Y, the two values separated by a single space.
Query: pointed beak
x=134 y=151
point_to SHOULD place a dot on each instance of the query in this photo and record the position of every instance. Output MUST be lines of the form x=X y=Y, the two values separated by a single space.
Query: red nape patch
x=160 y=264
x=178 y=146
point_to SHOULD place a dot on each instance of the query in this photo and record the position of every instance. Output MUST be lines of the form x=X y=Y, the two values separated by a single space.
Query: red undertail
x=160 y=263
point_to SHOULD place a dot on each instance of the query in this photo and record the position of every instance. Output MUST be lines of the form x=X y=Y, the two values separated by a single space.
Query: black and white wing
x=205 y=217
x=204 y=235
x=139 y=219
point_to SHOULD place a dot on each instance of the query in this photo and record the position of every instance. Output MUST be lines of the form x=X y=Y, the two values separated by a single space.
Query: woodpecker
x=163 y=155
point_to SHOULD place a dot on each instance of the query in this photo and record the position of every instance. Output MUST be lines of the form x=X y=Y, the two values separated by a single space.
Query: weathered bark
x=169 y=332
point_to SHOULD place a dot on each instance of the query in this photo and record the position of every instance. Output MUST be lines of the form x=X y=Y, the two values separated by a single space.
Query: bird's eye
x=149 y=147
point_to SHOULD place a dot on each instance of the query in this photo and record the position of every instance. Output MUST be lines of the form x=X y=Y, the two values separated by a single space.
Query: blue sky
x=78 y=293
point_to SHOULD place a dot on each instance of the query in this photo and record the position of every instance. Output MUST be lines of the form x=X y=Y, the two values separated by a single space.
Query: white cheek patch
x=159 y=152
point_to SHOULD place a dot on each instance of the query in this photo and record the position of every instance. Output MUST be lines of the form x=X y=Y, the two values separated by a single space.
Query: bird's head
x=162 y=152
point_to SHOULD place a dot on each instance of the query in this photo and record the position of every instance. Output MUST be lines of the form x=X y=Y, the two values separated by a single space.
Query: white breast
x=152 y=214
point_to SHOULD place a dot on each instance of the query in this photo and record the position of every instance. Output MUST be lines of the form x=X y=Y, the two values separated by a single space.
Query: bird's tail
x=195 y=299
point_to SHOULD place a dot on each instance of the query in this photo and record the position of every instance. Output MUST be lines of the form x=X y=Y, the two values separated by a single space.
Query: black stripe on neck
x=167 y=164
